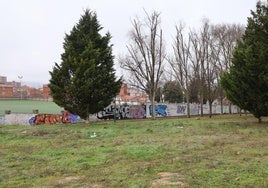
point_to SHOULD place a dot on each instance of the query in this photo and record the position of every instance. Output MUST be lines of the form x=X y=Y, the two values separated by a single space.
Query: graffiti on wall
x=64 y=117
x=106 y=113
x=137 y=112
x=181 y=109
x=160 y=109
x=123 y=112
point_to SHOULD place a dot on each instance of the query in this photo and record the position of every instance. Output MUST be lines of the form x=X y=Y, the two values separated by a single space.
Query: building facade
x=14 y=90
x=6 y=91
x=130 y=94
x=127 y=94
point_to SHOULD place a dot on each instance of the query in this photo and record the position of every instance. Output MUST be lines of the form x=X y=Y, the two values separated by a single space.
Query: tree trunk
x=188 y=105
x=87 y=121
x=153 y=105
x=230 y=108
x=221 y=101
x=210 y=109
x=201 y=104
x=240 y=111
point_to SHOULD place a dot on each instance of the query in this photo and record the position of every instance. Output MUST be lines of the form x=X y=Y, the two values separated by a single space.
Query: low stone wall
x=122 y=112
x=2 y=120
x=17 y=119
x=36 y=119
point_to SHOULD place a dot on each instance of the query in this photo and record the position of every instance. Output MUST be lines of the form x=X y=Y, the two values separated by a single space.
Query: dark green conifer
x=246 y=83
x=85 y=82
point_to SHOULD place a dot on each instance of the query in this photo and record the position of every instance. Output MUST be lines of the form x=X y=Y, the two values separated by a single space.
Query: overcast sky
x=32 y=31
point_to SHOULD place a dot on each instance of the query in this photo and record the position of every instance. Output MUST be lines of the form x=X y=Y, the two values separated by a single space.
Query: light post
x=20 y=77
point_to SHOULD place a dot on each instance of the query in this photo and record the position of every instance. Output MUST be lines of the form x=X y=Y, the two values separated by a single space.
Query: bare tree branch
x=146 y=54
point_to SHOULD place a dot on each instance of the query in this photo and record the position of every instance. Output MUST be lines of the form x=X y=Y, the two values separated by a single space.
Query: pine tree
x=246 y=84
x=85 y=82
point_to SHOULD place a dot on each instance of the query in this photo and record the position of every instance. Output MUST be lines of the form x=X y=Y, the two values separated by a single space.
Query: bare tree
x=196 y=58
x=146 y=54
x=225 y=37
x=204 y=57
x=199 y=57
x=212 y=72
x=181 y=64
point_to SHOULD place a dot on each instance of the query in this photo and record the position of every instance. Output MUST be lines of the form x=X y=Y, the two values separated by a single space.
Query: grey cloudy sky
x=32 y=31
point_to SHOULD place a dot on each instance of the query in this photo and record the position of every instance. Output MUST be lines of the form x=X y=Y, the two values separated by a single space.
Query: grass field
x=27 y=106
x=225 y=151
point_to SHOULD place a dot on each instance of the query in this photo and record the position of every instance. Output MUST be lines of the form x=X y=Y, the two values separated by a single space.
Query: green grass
x=27 y=106
x=225 y=151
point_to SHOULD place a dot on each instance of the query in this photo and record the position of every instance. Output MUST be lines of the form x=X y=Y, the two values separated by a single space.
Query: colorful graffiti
x=160 y=109
x=64 y=117
x=137 y=112
x=123 y=112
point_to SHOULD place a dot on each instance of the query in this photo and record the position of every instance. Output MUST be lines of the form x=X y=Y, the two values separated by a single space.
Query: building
x=29 y=92
x=17 y=91
x=6 y=91
x=3 y=79
x=127 y=94
x=46 y=92
x=130 y=94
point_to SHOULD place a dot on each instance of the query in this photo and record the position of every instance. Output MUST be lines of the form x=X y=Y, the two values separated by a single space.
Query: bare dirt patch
x=169 y=179
x=65 y=181
x=68 y=179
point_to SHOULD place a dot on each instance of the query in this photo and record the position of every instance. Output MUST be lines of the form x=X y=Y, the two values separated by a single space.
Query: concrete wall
x=2 y=120
x=29 y=119
x=128 y=112
x=17 y=119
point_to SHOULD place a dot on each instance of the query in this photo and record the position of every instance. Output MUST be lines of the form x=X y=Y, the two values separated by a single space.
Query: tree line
x=197 y=60
x=203 y=64
x=199 y=67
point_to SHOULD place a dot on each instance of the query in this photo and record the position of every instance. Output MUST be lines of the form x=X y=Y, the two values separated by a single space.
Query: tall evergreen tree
x=85 y=82
x=246 y=83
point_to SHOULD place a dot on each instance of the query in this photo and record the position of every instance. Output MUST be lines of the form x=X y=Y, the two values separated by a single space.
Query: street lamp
x=20 y=77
